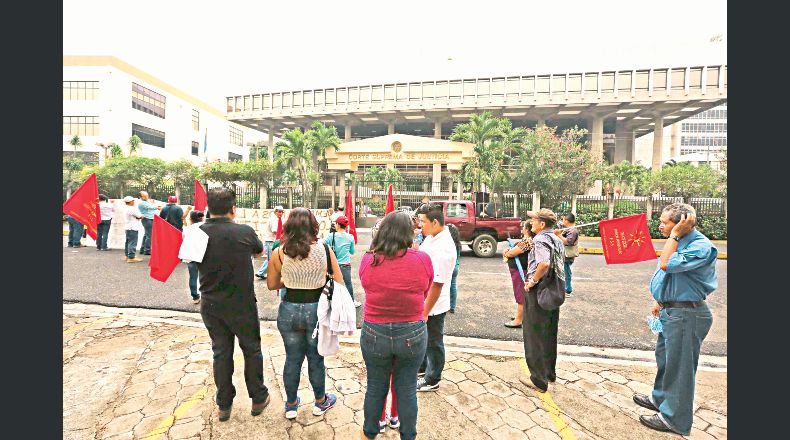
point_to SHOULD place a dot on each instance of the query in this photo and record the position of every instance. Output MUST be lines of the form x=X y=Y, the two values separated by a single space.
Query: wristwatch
x=675 y=237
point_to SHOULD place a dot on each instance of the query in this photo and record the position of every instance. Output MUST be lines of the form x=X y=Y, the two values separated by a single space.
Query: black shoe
x=452 y=310
x=224 y=414
x=644 y=401
x=257 y=408
x=552 y=378
x=655 y=422
x=263 y=277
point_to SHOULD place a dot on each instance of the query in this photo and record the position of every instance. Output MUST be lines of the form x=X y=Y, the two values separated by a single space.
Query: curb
x=489 y=347
x=657 y=240
x=599 y=251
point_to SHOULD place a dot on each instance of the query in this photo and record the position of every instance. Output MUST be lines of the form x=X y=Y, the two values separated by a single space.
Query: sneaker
x=263 y=277
x=329 y=402
x=290 y=411
x=568 y=294
x=422 y=385
x=134 y=260
x=394 y=422
x=357 y=304
x=420 y=374
x=382 y=426
x=196 y=301
x=452 y=310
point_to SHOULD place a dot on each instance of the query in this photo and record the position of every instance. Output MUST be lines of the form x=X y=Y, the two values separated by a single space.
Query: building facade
x=106 y=100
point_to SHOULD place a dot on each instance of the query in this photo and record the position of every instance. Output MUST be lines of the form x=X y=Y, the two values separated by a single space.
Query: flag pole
x=581 y=226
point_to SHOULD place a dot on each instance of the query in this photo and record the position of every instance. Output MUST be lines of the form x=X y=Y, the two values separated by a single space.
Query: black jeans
x=540 y=340
x=148 y=224
x=102 y=232
x=433 y=363
x=222 y=328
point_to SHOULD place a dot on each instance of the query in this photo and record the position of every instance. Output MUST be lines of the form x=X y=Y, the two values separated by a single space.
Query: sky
x=215 y=49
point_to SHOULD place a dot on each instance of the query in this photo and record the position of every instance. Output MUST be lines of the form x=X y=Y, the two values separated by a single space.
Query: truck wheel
x=484 y=246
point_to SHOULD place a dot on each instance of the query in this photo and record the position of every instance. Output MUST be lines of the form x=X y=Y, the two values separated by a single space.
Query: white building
x=106 y=100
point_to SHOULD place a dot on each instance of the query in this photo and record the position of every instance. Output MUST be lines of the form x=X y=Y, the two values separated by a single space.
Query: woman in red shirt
x=396 y=280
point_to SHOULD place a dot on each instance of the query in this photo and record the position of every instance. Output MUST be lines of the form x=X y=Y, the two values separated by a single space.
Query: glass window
x=80 y=90
x=233 y=157
x=230 y=105
x=483 y=88
x=148 y=101
x=194 y=148
x=81 y=125
x=256 y=102
x=195 y=120
x=558 y=84
x=456 y=210
x=236 y=136
x=149 y=136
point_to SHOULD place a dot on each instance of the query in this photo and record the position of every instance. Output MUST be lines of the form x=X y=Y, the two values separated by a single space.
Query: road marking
x=563 y=428
x=77 y=327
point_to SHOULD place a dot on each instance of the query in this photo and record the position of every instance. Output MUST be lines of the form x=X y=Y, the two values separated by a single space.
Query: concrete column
x=596 y=137
x=264 y=197
x=334 y=190
x=459 y=187
x=515 y=205
x=674 y=140
x=624 y=145
x=541 y=123
x=658 y=142
x=535 y=201
x=271 y=144
x=437 y=129
x=391 y=128
x=347 y=130
x=437 y=177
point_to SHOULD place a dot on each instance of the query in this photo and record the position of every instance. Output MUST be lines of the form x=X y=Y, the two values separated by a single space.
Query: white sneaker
x=394 y=422
x=382 y=426
x=357 y=304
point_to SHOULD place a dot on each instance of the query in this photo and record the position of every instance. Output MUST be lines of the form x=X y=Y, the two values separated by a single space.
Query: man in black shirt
x=173 y=214
x=229 y=307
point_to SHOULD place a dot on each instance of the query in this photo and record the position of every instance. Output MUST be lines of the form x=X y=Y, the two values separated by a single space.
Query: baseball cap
x=342 y=220
x=279 y=208
x=128 y=199
x=545 y=214
x=172 y=199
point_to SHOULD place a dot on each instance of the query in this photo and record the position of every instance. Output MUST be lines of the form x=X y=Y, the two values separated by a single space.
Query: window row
x=704 y=127
x=81 y=125
x=233 y=157
x=148 y=101
x=236 y=136
x=149 y=136
x=715 y=141
x=80 y=90
x=716 y=113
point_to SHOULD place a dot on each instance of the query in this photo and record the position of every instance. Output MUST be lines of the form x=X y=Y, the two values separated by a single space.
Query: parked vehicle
x=480 y=232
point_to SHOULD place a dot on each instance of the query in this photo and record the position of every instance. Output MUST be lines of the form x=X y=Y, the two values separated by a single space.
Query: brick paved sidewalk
x=148 y=378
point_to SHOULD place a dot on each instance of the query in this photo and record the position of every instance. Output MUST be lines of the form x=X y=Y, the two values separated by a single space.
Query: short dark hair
x=394 y=237
x=103 y=198
x=434 y=211
x=221 y=200
x=340 y=208
x=570 y=217
x=528 y=227
x=455 y=234
x=195 y=216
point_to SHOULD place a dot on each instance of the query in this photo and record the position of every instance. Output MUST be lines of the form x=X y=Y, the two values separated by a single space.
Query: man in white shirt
x=339 y=211
x=132 y=216
x=269 y=236
x=439 y=245
x=103 y=230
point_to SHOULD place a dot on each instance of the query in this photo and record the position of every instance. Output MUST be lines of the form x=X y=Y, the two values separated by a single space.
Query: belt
x=302 y=296
x=349 y=264
x=681 y=304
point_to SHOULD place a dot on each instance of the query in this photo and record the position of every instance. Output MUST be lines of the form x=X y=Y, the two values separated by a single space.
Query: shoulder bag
x=329 y=288
x=551 y=288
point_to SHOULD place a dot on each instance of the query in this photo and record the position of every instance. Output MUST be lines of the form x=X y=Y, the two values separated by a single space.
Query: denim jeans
x=267 y=246
x=222 y=329
x=397 y=348
x=296 y=322
x=346 y=271
x=148 y=225
x=131 y=243
x=75 y=231
x=454 y=289
x=433 y=362
x=568 y=286
x=677 y=356
x=102 y=232
x=193 y=277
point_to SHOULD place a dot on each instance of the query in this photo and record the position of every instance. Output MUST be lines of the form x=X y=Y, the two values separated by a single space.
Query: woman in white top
x=195 y=220
x=103 y=229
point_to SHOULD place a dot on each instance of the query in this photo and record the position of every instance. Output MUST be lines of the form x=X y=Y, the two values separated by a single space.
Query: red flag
x=201 y=200
x=83 y=205
x=165 y=243
x=352 y=228
x=390 y=201
x=626 y=240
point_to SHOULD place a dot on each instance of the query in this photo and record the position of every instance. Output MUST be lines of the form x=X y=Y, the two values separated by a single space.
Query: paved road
x=608 y=309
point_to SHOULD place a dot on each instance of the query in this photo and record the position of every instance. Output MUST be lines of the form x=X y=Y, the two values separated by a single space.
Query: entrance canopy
x=399 y=149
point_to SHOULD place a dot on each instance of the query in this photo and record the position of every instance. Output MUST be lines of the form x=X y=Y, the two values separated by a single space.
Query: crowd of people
x=408 y=276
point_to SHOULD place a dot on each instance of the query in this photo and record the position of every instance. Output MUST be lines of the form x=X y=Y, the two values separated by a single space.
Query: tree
x=182 y=172
x=687 y=181
x=294 y=152
x=624 y=177
x=116 y=150
x=76 y=142
x=481 y=130
x=259 y=151
x=504 y=150
x=71 y=167
x=257 y=171
x=320 y=138
x=226 y=173
x=134 y=144
x=104 y=147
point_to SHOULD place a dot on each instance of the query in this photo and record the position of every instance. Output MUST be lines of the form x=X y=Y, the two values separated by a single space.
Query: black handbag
x=329 y=287
x=551 y=288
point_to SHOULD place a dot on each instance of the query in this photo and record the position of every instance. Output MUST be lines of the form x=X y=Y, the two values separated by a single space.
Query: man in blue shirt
x=685 y=276
x=343 y=244
x=148 y=210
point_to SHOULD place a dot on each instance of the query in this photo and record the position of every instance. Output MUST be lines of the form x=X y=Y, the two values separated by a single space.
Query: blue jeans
x=267 y=246
x=102 y=232
x=568 y=287
x=433 y=362
x=346 y=271
x=131 y=243
x=677 y=355
x=193 y=277
x=296 y=322
x=148 y=224
x=75 y=231
x=454 y=289
x=396 y=348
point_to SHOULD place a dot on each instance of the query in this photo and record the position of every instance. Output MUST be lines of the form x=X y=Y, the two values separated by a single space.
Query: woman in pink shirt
x=396 y=280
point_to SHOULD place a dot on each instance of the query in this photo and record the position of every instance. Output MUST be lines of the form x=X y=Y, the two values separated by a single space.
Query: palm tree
x=75 y=142
x=320 y=138
x=293 y=151
x=504 y=150
x=134 y=144
x=481 y=130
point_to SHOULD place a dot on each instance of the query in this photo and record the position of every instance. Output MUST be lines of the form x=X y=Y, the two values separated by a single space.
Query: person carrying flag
x=272 y=232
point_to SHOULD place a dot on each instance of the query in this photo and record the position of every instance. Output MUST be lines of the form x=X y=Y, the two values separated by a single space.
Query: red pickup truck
x=481 y=234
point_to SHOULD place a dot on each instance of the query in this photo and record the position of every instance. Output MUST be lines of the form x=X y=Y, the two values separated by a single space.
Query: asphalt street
x=608 y=309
